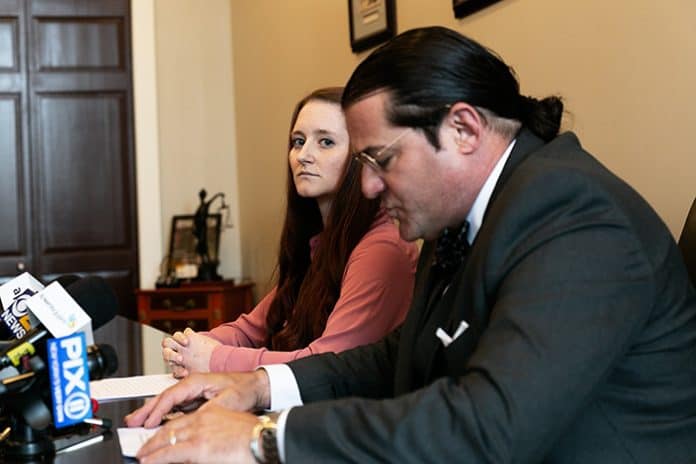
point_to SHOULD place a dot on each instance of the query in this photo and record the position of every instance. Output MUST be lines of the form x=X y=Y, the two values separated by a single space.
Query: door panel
x=82 y=132
x=15 y=192
x=67 y=192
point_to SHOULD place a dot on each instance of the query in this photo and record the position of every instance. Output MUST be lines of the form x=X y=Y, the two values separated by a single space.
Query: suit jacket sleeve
x=566 y=283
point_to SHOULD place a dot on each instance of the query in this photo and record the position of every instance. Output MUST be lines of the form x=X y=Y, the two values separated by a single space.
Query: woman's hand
x=188 y=352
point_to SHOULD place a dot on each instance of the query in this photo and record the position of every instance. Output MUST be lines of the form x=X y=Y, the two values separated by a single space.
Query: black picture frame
x=182 y=241
x=371 y=23
x=466 y=7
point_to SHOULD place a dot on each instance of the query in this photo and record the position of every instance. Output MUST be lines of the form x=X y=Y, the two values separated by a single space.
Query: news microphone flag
x=60 y=313
x=69 y=380
x=16 y=319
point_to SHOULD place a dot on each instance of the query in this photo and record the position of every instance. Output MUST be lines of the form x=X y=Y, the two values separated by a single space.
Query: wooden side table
x=198 y=305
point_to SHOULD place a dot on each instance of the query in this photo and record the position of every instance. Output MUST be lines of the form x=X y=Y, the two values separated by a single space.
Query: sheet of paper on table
x=127 y=388
x=131 y=439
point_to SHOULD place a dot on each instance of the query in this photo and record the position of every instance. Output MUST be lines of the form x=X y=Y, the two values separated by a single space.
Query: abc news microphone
x=62 y=366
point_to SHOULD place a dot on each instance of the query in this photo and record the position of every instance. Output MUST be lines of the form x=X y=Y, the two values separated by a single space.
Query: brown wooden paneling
x=9 y=45
x=94 y=43
x=79 y=148
x=66 y=94
x=10 y=157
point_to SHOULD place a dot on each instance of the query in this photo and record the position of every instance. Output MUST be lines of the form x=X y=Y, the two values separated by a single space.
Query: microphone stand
x=24 y=406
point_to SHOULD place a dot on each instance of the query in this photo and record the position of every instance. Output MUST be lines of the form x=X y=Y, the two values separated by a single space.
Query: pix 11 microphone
x=96 y=298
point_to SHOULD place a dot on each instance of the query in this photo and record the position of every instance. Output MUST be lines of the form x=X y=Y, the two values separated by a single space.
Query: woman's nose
x=305 y=155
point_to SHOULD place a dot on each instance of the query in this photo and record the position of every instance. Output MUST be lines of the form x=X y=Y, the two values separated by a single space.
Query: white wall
x=185 y=130
x=625 y=68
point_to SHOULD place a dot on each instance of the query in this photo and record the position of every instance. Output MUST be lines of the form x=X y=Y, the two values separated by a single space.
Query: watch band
x=264 y=441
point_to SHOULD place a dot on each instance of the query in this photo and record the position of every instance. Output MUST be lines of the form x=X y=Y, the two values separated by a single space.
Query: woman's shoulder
x=384 y=234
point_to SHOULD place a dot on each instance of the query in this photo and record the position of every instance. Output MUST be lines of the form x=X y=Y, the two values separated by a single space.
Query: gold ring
x=172 y=438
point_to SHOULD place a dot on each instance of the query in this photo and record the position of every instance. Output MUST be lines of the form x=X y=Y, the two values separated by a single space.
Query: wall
x=185 y=130
x=625 y=69
x=282 y=51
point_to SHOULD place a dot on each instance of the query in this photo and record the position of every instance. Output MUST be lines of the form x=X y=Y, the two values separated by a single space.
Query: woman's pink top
x=375 y=296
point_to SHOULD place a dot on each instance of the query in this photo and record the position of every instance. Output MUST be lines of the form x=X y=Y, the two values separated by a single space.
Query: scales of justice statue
x=207 y=269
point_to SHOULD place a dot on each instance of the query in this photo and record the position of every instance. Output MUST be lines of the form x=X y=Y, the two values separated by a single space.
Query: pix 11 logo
x=69 y=375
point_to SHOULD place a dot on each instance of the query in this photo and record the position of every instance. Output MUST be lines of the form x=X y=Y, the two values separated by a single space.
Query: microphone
x=13 y=295
x=102 y=361
x=95 y=297
x=16 y=319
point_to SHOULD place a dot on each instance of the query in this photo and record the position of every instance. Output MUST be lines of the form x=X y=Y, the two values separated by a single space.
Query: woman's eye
x=297 y=142
x=326 y=143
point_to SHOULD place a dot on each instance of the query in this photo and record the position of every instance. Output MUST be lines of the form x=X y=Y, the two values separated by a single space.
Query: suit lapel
x=419 y=346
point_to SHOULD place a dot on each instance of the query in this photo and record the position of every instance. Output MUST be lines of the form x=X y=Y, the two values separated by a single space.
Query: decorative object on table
x=466 y=7
x=207 y=251
x=194 y=244
x=371 y=22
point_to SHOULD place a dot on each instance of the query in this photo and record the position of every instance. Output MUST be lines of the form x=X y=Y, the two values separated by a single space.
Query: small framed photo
x=183 y=258
x=466 y=7
x=371 y=22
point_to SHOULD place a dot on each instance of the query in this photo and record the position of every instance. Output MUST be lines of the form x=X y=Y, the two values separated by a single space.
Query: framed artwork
x=466 y=7
x=371 y=22
x=183 y=259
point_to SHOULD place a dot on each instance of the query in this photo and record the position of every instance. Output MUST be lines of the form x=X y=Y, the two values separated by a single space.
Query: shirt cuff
x=285 y=393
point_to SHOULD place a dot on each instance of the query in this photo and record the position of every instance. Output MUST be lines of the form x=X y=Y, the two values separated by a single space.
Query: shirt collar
x=475 y=217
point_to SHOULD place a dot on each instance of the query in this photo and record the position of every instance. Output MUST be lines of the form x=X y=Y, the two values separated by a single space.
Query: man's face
x=417 y=184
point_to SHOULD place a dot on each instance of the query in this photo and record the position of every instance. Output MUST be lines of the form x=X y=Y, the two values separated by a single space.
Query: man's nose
x=372 y=184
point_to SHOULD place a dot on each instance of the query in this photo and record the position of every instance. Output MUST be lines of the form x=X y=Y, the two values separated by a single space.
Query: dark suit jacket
x=581 y=346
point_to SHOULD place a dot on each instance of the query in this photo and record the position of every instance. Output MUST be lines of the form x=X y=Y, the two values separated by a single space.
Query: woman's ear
x=466 y=126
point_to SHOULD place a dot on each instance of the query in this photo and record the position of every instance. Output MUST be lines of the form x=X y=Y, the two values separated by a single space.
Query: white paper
x=124 y=388
x=131 y=439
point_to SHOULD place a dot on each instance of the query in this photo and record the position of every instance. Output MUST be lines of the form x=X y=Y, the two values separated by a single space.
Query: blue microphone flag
x=69 y=379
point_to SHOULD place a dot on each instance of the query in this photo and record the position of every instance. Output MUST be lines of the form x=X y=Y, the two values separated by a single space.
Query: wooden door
x=66 y=101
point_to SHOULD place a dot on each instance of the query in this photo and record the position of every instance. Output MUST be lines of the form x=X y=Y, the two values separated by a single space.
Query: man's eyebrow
x=371 y=150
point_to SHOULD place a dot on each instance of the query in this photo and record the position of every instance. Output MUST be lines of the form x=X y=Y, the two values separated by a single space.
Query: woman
x=345 y=277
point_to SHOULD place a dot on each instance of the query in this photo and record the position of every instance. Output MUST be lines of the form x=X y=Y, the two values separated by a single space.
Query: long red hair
x=308 y=288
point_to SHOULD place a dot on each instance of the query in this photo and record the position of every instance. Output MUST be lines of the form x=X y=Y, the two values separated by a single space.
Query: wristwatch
x=264 y=441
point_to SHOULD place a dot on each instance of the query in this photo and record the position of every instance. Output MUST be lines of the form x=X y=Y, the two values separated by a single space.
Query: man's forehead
x=366 y=119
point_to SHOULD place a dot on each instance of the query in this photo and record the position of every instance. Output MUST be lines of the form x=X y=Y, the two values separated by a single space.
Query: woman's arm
x=375 y=296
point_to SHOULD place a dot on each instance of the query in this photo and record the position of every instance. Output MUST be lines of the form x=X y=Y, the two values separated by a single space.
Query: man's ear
x=466 y=126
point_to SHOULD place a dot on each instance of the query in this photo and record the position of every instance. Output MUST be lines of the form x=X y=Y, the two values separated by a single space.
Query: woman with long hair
x=345 y=277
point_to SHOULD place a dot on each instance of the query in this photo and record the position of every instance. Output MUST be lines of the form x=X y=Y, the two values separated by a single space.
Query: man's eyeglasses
x=378 y=162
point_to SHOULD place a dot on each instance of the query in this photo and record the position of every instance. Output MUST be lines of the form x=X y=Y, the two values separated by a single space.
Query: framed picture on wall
x=466 y=7
x=371 y=22
x=183 y=259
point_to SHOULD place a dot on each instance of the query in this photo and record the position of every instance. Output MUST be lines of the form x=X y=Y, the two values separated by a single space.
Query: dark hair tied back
x=543 y=117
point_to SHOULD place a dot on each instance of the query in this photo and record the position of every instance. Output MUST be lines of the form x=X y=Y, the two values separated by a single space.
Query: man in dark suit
x=553 y=319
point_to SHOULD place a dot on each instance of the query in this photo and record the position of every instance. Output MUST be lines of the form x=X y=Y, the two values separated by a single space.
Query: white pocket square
x=446 y=339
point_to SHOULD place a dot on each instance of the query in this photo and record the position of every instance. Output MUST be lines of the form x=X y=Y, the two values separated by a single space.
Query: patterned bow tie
x=451 y=249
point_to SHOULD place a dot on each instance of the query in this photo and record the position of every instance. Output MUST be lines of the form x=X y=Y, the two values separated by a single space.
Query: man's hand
x=244 y=391
x=212 y=434
x=188 y=352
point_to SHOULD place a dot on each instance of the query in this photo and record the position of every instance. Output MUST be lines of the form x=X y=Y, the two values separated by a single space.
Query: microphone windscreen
x=96 y=297
x=65 y=280
x=102 y=361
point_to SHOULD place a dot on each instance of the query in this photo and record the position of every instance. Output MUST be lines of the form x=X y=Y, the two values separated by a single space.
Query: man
x=566 y=333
